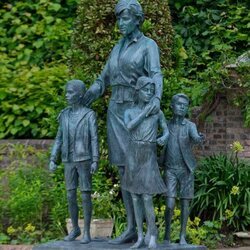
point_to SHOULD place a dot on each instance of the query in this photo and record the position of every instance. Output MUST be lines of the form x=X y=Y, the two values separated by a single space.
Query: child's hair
x=142 y=82
x=77 y=85
x=177 y=96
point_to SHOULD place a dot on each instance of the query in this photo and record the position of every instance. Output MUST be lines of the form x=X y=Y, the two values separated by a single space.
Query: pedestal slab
x=103 y=244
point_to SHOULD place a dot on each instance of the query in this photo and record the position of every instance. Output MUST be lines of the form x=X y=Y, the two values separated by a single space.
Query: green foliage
x=33 y=203
x=241 y=85
x=211 y=30
x=34 y=40
x=198 y=233
x=36 y=32
x=31 y=111
x=95 y=34
x=4 y=239
x=209 y=35
x=223 y=191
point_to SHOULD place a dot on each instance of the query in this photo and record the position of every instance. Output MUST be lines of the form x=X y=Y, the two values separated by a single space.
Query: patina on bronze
x=135 y=55
x=142 y=176
x=179 y=163
x=76 y=145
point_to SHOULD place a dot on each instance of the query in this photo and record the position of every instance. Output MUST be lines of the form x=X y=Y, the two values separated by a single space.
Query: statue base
x=98 y=244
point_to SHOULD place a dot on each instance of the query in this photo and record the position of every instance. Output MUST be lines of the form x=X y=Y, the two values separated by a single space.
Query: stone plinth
x=103 y=244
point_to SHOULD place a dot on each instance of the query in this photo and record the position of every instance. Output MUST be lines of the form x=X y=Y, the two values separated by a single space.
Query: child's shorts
x=78 y=173
x=179 y=179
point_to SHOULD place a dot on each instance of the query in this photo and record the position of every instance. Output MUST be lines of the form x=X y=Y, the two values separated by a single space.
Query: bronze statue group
x=133 y=122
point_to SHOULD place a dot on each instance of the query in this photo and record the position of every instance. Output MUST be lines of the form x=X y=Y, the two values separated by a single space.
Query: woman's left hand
x=162 y=140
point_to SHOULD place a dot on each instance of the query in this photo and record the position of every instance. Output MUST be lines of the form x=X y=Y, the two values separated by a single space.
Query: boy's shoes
x=125 y=237
x=86 y=239
x=73 y=234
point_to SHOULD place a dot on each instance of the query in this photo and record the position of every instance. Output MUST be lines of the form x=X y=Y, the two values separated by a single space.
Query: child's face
x=72 y=95
x=180 y=107
x=147 y=92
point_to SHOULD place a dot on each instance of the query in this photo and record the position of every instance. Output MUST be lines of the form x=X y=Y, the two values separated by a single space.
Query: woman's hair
x=134 y=8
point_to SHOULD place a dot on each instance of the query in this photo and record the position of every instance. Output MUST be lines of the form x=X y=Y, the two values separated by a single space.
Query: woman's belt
x=121 y=93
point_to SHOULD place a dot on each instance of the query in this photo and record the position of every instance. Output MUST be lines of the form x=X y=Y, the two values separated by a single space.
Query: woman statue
x=135 y=55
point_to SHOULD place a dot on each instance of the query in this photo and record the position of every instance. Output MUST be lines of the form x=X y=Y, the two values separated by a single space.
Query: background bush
x=34 y=40
x=208 y=36
x=36 y=32
x=31 y=111
x=31 y=197
x=223 y=190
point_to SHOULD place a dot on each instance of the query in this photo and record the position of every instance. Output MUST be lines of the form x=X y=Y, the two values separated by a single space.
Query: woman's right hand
x=91 y=95
x=88 y=98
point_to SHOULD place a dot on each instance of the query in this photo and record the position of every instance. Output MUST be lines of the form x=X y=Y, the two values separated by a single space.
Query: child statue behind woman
x=142 y=176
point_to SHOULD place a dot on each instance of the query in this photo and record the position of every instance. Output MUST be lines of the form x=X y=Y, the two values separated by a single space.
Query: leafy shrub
x=211 y=30
x=30 y=196
x=36 y=32
x=31 y=111
x=34 y=39
x=198 y=233
x=208 y=36
x=223 y=191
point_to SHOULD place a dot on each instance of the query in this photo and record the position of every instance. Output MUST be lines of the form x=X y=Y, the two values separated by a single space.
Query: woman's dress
x=129 y=60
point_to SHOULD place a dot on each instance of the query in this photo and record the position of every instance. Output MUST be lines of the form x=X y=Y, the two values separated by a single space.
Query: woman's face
x=147 y=92
x=127 y=22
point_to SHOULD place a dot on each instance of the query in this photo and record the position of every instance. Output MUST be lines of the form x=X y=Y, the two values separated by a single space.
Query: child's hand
x=162 y=140
x=203 y=137
x=154 y=106
x=94 y=167
x=147 y=110
x=52 y=166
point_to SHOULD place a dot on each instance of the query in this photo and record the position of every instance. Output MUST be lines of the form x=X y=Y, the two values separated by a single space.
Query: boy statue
x=179 y=163
x=76 y=144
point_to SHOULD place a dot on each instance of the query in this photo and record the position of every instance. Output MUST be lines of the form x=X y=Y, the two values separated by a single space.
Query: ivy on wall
x=209 y=36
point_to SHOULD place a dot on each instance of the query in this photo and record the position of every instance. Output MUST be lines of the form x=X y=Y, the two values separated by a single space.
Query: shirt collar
x=135 y=37
x=184 y=121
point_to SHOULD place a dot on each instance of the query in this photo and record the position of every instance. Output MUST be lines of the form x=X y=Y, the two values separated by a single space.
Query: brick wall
x=36 y=143
x=8 y=151
x=222 y=127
